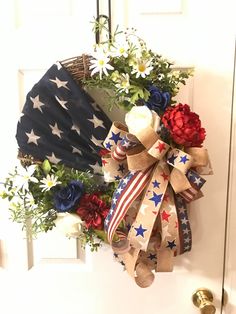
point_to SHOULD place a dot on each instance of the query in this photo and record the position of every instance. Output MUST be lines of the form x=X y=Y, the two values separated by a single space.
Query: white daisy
x=100 y=64
x=123 y=83
x=142 y=68
x=49 y=182
x=24 y=176
x=121 y=49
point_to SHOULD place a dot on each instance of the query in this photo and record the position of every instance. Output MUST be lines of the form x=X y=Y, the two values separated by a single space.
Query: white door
x=63 y=279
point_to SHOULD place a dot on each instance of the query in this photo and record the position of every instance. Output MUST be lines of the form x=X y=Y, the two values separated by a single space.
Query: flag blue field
x=62 y=123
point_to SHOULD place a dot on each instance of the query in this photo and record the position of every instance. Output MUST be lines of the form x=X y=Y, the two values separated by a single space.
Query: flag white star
x=55 y=130
x=37 y=104
x=197 y=181
x=32 y=138
x=125 y=180
x=111 y=211
x=76 y=150
x=97 y=122
x=96 y=168
x=75 y=128
x=53 y=159
x=119 y=190
x=60 y=83
x=108 y=177
x=187 y=248
x=62 y=102
x=96 y=142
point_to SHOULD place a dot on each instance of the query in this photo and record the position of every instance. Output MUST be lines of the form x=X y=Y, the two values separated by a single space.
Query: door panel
x=95 y=283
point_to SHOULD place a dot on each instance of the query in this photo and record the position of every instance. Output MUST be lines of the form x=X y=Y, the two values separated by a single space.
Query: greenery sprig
x=31 y=195
x=125 y=68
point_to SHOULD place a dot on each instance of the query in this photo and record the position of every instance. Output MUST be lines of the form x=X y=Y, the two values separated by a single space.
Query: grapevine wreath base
x=126 y=184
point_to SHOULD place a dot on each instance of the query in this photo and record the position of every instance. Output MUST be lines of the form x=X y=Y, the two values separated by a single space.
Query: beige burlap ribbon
x=171 y=174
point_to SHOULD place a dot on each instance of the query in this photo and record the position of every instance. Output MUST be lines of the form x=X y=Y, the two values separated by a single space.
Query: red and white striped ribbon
x=129 y=194
x=119 y=153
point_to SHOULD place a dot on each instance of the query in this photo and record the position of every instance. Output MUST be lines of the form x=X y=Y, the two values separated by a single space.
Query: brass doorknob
x=203 y=298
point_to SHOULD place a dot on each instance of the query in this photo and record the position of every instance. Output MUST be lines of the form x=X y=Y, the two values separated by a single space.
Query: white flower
x=123 y=83
x=142 y=68
x=100 y=49
x=24 y=176
x=160 y=76
x=49 y=182
x=19 y=202
x=30 y=199
x=138 y=119
x=121 y=49
x=100 y=64
x=69 y=224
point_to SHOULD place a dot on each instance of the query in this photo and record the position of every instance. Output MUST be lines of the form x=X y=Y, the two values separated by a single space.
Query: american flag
x=62 y=123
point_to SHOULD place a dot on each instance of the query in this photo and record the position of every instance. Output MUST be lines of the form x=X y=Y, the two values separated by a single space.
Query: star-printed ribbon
x=165 y=178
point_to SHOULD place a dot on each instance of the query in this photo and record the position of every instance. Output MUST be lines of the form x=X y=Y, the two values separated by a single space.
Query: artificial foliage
x=131 y=73
x=38 y=192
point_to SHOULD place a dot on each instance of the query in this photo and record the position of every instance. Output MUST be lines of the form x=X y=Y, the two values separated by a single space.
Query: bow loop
x=163 y=179
x=115 y=135
x=139 y=159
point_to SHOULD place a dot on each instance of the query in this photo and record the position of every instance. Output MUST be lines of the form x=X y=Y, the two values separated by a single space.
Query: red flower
x=184 y=126
x=92 y=210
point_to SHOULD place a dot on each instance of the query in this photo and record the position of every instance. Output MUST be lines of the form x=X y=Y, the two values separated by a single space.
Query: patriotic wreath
x=123 y=183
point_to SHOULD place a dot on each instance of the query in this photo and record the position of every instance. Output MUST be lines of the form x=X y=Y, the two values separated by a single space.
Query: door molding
x=229 y=280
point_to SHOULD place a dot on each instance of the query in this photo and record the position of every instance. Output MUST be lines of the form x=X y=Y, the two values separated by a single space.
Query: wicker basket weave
x=78 y=67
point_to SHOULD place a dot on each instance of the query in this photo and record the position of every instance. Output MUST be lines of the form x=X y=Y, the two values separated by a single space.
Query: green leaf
x=101 y=235
x=46 y=166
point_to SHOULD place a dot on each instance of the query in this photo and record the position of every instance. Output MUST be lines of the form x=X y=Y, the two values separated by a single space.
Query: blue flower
x=158 y=101
x=67 y=198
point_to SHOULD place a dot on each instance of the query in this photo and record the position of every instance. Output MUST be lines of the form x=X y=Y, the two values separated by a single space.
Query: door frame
x=229 y=267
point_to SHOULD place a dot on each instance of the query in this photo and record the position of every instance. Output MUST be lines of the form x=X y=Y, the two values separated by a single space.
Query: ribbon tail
x=185 y=233
x=169 y=233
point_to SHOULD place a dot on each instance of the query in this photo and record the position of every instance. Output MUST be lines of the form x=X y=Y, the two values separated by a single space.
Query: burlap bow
x=164 y=177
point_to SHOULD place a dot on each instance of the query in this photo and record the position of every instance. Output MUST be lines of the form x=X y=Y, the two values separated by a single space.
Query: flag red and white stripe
x=134 y=187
